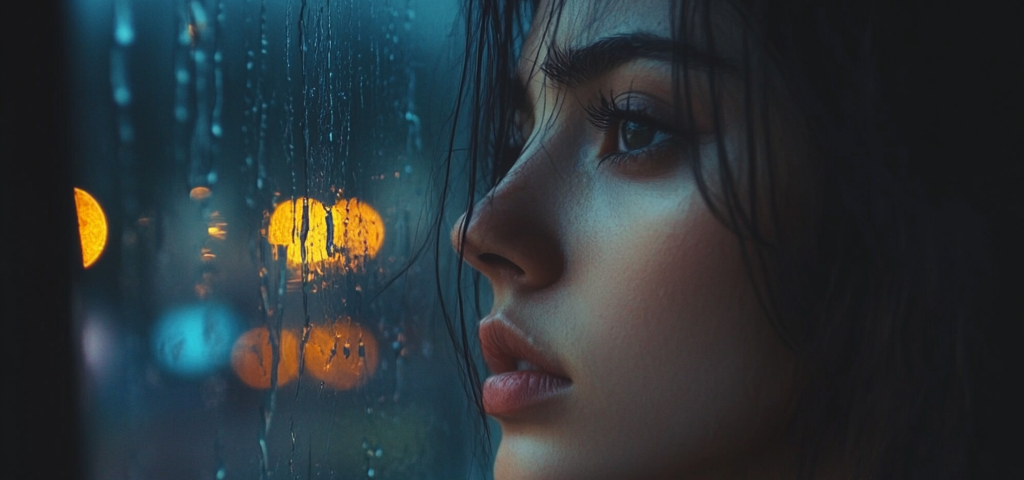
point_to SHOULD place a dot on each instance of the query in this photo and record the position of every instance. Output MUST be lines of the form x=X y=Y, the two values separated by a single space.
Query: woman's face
x=626 y=339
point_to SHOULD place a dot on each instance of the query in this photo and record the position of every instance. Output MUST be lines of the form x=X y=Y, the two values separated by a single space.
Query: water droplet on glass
x=127 y=132
x=181 y=113
x=124 y=34
x=370 y=472
x=216 y=130
x=221 y=473
x=122 y=96
x=377 y=453
x=199 y=14
x=211 y=177
x=182 y=76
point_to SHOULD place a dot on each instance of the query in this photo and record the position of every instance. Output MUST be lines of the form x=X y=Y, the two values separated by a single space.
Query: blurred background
x=252 y=282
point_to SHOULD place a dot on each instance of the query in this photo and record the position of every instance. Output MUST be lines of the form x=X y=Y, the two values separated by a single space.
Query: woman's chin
x=532 y=455
x=522 y=457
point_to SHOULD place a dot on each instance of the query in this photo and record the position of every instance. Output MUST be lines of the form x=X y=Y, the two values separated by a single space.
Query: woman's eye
x=634 y=135
x=630 y=127
x=637 y=135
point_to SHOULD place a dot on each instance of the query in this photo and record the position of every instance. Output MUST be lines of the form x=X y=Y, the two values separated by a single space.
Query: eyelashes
x=634 y=131
x=638 y=134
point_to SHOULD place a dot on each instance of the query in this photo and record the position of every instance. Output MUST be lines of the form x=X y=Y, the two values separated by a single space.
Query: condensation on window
x=258 y=297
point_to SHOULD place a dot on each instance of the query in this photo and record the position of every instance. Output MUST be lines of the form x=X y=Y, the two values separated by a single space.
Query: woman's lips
x=512 y=392
x=522 y=375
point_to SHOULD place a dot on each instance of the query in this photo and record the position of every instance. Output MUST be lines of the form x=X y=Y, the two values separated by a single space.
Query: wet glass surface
x=260 y=305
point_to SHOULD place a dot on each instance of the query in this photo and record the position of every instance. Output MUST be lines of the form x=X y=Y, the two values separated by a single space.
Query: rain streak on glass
x=222 y=340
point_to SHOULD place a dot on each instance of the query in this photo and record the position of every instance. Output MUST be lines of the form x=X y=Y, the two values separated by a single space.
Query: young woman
x=735 y=239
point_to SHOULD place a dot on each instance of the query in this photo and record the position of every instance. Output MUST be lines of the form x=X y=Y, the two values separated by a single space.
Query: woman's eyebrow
x=575 y=66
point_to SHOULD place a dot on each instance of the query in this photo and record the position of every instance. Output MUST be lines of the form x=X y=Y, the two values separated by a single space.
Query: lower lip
x=512 y=392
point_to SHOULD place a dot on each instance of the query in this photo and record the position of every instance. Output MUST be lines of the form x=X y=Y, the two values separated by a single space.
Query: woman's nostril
x=500 y=262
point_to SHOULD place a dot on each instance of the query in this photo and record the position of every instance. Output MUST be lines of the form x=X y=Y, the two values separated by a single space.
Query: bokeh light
x=199 y=193
x=286 y=229
x=252 y=358
x=195 y=339
x=359 y=231
x=100 y=347
x=92 y=227
x=356 y=231
x=342 y=354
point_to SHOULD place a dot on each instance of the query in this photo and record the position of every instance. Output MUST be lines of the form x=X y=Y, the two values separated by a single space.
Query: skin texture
x=620 y=274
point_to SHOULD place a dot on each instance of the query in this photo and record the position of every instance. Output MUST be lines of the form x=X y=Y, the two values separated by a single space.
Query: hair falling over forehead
x=869 y=261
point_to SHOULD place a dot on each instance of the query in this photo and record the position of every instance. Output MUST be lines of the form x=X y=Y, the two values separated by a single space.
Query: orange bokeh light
x=342 y=354
x=92 y=227
x=199 y=193
x=251 y=358
x=359 y=230
x=286 y=229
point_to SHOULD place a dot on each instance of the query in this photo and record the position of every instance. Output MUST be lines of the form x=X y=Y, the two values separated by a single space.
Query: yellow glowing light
x=252 y=358
x=92 y=227
x=217 y=232
x=286 y=229
x=342 y=354
x=358 y=231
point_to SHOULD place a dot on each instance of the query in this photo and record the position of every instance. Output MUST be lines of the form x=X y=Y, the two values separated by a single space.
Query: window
x=252 y=180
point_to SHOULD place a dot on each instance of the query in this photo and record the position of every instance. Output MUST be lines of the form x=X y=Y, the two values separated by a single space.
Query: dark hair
x=912 y=136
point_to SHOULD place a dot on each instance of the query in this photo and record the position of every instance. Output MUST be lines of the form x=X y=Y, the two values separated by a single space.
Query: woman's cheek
x=673 y=344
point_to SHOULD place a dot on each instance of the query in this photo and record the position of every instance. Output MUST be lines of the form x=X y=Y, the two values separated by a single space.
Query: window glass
x=253 y=184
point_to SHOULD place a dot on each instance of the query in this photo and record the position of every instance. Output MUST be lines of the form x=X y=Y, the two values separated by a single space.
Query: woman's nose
x=511 y=237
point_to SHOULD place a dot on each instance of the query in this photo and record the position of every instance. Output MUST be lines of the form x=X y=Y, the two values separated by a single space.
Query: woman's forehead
x=564 y=24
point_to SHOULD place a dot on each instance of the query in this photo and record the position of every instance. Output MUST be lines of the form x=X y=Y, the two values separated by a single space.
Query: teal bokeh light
x=196 y=339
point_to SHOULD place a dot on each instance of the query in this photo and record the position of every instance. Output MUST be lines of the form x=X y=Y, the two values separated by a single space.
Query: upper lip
x=503 y=345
